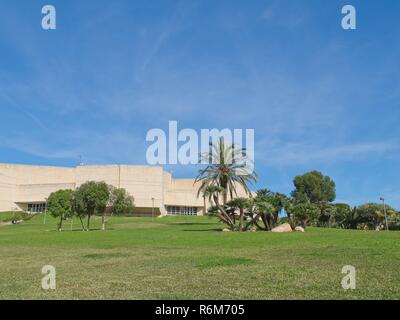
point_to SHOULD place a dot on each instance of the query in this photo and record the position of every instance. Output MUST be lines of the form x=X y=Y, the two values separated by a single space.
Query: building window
x=36 y=207
x=186 y=211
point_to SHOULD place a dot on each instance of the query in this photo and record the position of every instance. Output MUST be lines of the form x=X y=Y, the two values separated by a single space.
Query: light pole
x=152 y=209
x=384 y=211
x=45 y=211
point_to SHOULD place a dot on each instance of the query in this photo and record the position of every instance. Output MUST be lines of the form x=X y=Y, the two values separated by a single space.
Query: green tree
x=328 y=212
x=120 y=202
x=225 y=169
x=276 y=199
x=314 y=187
x=91 y=198
x=220 y=210
x=345 y=216
x=240 y=204
x=373 y=214
x=304 y=213
x=60 y=205
x=265 y=211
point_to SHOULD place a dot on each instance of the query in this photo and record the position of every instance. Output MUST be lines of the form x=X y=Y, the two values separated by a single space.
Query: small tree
x=91 y=198
x=278 y=202
x=120 y=202
x=60 y=204
x=373 y=214
x=305 y=213
x=81 y=215
x=265 y=211
x=240 y=204
x=345 y=216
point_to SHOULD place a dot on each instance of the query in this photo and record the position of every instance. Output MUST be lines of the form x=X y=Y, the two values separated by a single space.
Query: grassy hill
x=190 y=258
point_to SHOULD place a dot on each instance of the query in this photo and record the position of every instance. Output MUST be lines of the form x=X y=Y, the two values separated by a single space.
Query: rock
x=253 y=229
x=5 y=223
x=283 y=228
x=226 y=230
x=299 y=229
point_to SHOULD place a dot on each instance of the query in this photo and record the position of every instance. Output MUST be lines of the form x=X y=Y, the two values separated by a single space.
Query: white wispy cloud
x=291 y=154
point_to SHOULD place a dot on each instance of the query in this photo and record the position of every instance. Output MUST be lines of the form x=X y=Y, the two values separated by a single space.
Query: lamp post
x=45 y=211
x=152 y=209
x=384 y=211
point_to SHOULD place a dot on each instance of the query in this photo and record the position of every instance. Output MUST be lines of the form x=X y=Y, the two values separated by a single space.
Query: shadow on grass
x=80 y=230
x=105 y=255
x=203 y=230
x=191 y=223
x=214 y=262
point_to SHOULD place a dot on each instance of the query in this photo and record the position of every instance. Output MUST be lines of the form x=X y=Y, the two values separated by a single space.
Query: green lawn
x=190 y=258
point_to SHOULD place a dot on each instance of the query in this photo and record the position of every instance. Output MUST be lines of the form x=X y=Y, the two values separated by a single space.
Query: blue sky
x=317 y=96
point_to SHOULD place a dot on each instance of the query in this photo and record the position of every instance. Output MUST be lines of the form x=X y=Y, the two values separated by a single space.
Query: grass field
x=190 y=258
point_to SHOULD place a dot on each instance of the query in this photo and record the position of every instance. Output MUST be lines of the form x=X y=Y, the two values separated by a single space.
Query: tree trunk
x=103 y=222
x=60 y=224
x=265 y=221
x=241 y=220
x=225 y=197
x=83 y=226
x=88 y=223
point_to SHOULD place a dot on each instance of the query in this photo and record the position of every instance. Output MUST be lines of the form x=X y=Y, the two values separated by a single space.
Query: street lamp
x=13 y=210
x=152 y=209
x=384 y=211
x=45 y=211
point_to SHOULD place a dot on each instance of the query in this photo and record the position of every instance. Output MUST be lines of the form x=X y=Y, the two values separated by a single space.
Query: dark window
x=175 y=210
x=36 y=207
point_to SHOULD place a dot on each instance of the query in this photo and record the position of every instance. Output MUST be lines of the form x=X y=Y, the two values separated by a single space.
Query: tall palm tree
x=226 y=168
x=213 y=193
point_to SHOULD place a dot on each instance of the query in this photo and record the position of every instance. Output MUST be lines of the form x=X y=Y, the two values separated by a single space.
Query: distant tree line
x=310 y=204
x=91 y=198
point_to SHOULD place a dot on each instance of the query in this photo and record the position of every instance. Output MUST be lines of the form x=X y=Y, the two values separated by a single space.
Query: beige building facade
x=26 y=187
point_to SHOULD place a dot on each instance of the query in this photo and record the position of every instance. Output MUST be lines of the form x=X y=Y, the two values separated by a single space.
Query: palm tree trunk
x=241 y=220
x=265 y=221
x=225 y=197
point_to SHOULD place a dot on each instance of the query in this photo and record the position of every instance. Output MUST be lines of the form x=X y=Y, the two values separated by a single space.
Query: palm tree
x=213 y=193
x=226 y=168
x=239 y=204
x=276 y=199
x=265 y=210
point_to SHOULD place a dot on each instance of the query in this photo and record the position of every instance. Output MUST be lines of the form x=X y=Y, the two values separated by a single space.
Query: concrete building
x=26 y=187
